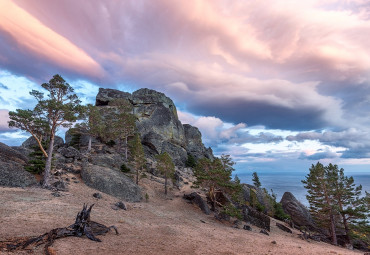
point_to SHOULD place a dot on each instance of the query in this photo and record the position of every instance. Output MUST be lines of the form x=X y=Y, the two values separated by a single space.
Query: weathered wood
x=82 y=226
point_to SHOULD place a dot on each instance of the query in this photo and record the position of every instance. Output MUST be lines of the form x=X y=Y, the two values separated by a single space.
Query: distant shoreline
x=281 y=182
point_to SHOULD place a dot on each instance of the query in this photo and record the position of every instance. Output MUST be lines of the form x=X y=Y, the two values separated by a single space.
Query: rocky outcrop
x=31 y=142
x=254 y=196
x=256 y=218
x=299 y=214
x=195 y=198
x=69 y=152
x=194 y=144
x=107 y=95
x=12 y=173
x=112 y=182
x=158 y=124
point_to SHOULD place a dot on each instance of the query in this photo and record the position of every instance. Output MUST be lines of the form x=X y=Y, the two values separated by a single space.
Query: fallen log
x=82 y=226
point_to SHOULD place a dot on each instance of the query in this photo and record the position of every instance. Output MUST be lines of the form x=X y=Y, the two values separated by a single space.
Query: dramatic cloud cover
x=267 y=81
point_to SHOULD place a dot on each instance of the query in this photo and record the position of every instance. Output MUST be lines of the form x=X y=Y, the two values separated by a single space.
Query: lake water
x=281 y=182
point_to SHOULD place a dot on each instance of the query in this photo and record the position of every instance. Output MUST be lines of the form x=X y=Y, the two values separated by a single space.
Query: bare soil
x=163 y=225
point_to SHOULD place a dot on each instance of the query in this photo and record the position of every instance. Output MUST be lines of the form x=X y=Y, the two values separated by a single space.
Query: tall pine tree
x=137 y=155
x=60 y=108
x=320 y=196
x=348 y=199
x=93 y=124
x=166 y=166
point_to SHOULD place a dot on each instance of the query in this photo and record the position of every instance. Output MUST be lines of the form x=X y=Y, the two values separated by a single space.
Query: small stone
x=67 y=179
x=247 y=227
x=74 y=178
x=58 y=173
x=56 y=194
x=273 y=242
x=202 y=221
x=264 y=232
x=97 y=195
x=114 y=207
x=76 y=182
x=121 y=205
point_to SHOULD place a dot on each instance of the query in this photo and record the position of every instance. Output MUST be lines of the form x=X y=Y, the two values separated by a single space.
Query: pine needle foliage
x=166 y=167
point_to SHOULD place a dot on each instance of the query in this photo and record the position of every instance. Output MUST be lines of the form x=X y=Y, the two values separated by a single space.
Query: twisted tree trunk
x=82 y=226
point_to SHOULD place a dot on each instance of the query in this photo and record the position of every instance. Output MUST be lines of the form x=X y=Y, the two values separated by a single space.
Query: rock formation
x=298 y=212
x=251 y=192
x=12 y=171
x=158 y=125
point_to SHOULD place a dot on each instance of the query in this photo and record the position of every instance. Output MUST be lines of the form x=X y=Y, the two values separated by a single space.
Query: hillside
x=160 y=226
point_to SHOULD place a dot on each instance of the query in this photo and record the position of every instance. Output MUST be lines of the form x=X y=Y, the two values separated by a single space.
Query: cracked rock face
x=158 y=125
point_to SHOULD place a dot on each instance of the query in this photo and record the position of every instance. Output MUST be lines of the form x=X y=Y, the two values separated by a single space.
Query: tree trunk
x=126 y=147
x=165 y=185
x=46 y=180
x=137 y=176
x=332 y=229
x=332 y=222
x=346 y=228
x=40 y=145
x=89 y=146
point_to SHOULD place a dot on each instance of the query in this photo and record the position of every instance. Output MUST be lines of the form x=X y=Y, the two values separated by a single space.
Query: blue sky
x=277 y=84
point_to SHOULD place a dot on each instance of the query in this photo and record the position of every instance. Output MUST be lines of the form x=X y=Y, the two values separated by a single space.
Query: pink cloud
x=264 y=54
x=42 y=42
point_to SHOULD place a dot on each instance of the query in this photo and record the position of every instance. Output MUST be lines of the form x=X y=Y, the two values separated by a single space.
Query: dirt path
x=161 y=226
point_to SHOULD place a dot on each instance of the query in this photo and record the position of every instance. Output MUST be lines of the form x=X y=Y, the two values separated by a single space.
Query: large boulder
x=112 y=182
x=107 y=95
x=12 y=173
x=299 y=214
x=113 y=161
x=70 y=152
x=31 y=142
x=11 y=155
x=195 y=198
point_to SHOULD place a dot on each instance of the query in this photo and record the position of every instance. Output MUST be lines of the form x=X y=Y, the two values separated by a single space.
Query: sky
x=277 y=84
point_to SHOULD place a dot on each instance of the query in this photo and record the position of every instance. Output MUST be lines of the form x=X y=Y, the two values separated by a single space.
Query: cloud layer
x=300 y=66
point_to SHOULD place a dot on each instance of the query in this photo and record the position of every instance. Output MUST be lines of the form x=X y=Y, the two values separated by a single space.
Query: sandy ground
x=161 y=226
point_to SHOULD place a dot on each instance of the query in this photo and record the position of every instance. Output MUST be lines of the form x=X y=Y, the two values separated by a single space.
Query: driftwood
x=82 y=226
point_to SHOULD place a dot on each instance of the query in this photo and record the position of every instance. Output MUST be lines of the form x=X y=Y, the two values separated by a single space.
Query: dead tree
x=82 y=226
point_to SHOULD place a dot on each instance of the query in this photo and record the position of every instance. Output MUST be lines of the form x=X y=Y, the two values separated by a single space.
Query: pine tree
x=121 y=121
x=60 y=109
x=216 y=177
x=351 y=206
x=137 y=155
x=166 y=167
x=256 y=180
x=320 y=197
x=93 y=124
x=191 y=161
